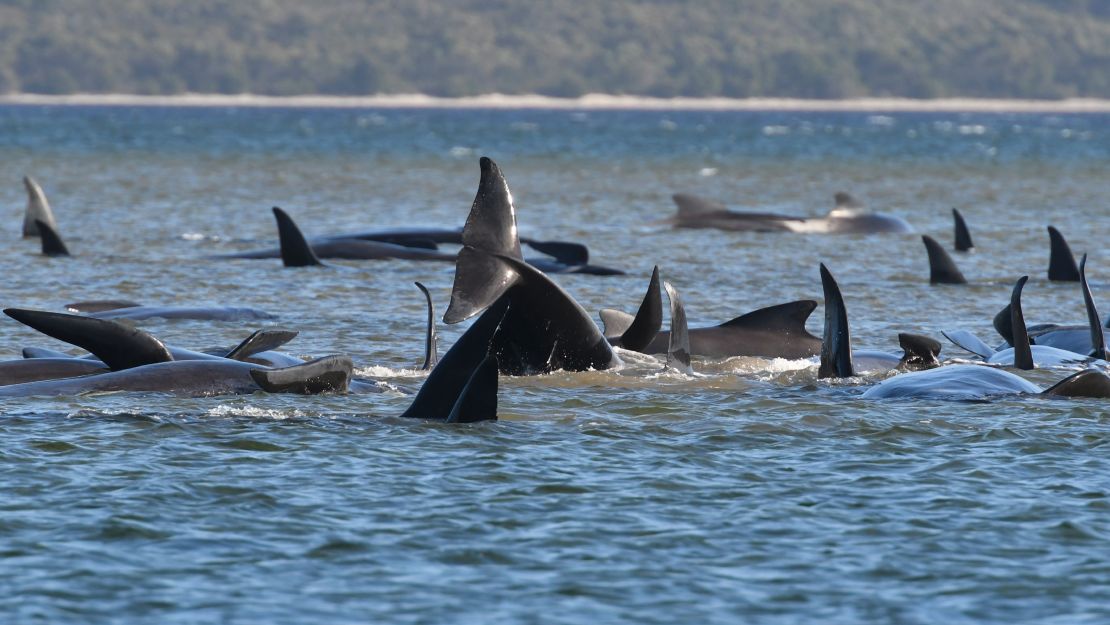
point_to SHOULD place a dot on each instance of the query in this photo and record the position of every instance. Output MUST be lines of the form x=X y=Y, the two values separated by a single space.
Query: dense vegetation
x=738 y=48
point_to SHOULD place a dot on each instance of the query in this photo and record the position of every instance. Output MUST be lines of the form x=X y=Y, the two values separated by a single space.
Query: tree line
x=732 y=48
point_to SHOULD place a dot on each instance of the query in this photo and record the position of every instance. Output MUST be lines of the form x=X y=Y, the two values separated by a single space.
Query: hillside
x=735 y=48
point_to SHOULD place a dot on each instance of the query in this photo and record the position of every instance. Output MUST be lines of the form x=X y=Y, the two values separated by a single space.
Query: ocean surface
x=749 y=493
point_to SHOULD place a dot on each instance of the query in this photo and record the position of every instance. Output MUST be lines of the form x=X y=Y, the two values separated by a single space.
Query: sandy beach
x=586 y=102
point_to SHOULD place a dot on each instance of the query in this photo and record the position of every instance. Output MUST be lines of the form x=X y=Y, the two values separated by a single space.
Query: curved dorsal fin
x=117 y=345
x=836 y=345
x=431 y=339
x=648 y=320
x=963 y=235
x=789 y=317
x=843 y=199
x=678 y=345
x=38 y=208
x=1003 y=324
x=918 y=352
x=295 y=250
x=1098 y=340
x=52 y=244
x=1061 y=262
x=1086 y=383
x=689 y=205
x=942 y=269
x=1023 y=355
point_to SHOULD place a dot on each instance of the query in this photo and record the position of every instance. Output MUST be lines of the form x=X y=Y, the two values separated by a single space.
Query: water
x=752 y=494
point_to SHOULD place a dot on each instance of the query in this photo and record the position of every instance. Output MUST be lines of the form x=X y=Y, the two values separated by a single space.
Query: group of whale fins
x=527 y=324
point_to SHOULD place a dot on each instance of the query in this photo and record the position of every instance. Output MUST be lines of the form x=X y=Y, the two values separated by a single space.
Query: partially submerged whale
x=544 y=329
x=977 y=382
x=942 y=269
x=140 y=362
x=847 y=216
x=38 y=209
x=1061 y=262
x=962 y=236
x=124 y=309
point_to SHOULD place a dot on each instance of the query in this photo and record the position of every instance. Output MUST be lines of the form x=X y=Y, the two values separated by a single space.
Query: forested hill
x=736 y=48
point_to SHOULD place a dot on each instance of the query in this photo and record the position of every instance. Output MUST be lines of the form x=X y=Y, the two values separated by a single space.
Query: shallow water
x=753 y=493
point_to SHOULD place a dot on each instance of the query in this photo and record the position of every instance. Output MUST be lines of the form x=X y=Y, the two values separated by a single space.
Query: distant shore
x=586 y=102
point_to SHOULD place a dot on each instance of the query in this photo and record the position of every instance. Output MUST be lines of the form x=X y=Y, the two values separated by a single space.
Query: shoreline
x=587 y=102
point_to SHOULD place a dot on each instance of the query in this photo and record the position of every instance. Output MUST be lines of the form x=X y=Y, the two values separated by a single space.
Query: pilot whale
x=847 y=217
x=38 y=209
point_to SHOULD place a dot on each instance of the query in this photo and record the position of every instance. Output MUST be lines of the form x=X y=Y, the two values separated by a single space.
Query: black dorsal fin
x=788 y=318
x=295 y=250
x=1023 y=355
x=436 y=399
x=1086 y=383
x=678 y=344
x=942 y=269
x=261 y=341
x=836 y=346
x=918 y=352
x=117 y=345
x=431 y=339
x=1061 y=262
x=1098 y=340
x=1003 y=324
x=689 y=205
x=478 y=399
x=565 y=252
x=481 y=277
x=323 y=375
x=963 y=235
x=648 y=320
x=843 y=199
x=52 y=244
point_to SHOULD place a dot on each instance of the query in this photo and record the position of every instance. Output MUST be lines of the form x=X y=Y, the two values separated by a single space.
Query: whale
x=139 y=362
x=38 y=209
x=774 y=332
x=847 y=217
x=961 y=236
x=52 y=244
x=1061 y=262
x=839 y=360
x=125 y=309
x=544 y=329
x=942 y=269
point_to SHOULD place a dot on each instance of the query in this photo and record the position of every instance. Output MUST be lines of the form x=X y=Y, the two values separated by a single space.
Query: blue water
x=753 y=493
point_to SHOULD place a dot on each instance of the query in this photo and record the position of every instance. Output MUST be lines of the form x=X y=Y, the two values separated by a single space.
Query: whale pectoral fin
x=261 y=341
x=117 y=345
x=918 y=352
x=1098 y=340
x=431 y=351
x=42 y=352
x=836 y=345
x=788 y=318
x=1023 y=355
x=295 y=250
x=678 y=345
x=615 y=322
x=564 y=252
x=100 y=305
x=478 y=399
x=1061 y=262
x=942 y=269
x=969 y=342
x=962 y=234
x=1086 y=383
x=648 y=320
x=331 y=373
x=52 y=244
x=436 y=399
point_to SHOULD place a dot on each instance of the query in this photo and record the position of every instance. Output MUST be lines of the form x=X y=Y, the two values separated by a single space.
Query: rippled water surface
x=753 y=493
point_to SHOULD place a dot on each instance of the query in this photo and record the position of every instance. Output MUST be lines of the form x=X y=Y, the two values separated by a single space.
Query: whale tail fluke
x=117 y=345
x=836 y=346
x=678 y=345
x=323 y=375
x=38 y=209
x=478 y=399
x=295 y=250
x=431 y=339
x=1098 y=338
x=942 y=269
x=1023 y=354
x=615 y=322
x=963 y=235
x=261 y=341
x=52 y=244
x=1061 y=262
